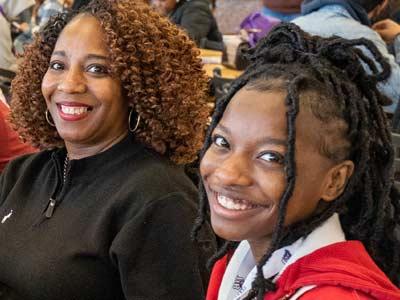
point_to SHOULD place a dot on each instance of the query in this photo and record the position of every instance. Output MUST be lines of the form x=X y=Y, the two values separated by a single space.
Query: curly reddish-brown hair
x=160 y=72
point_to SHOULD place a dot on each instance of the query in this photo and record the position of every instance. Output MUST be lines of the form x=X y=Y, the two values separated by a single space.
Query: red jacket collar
x=345 y=264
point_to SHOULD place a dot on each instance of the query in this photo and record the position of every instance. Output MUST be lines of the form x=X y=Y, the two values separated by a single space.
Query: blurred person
x=10 y=144
x=41 y=14
x=195 y=16
x=390 y=32
x=9 y=9
x=350 y=19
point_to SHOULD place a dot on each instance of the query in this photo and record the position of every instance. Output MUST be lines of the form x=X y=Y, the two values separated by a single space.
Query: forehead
x=252 y=114
x=255 y=115
x=83 y=33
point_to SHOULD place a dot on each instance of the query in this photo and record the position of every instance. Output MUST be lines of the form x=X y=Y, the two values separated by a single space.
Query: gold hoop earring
x=129 y=122
x=48 y=119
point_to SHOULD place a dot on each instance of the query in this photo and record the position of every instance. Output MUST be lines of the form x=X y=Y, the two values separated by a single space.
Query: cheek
x=305 y=198
x=49 y=85
x=271 y=182
x=109 y=94
x=206 y=165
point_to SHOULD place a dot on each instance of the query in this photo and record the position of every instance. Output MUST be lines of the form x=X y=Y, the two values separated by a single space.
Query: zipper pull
x=50 y=208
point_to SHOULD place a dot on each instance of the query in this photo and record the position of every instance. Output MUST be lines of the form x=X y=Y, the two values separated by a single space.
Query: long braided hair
x=332 y=71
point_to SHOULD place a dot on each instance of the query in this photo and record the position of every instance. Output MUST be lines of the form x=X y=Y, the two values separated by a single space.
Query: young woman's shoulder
x=334 y=293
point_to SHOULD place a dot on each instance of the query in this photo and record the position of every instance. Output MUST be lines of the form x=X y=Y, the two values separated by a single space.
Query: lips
x=232 y=207
x=73 y=111
x=234 y=204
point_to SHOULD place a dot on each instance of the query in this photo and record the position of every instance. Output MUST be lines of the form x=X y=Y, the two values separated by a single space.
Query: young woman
x=116 y=97
x=297 y=169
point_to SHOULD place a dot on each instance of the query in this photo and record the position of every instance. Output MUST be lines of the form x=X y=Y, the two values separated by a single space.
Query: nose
x=233 y=172
x=73 y=82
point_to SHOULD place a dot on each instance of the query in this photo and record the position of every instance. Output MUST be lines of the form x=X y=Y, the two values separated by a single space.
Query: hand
x=387 y=29
x=23 y=27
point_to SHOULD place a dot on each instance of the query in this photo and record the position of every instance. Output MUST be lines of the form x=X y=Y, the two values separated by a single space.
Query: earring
x=49 y=119
x=129 y=122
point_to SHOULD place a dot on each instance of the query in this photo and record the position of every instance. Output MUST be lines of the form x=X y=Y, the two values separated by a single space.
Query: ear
x=336 y=180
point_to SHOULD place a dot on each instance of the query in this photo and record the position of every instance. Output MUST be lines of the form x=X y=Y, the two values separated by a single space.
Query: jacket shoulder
x=26 y=161
x=334 y=293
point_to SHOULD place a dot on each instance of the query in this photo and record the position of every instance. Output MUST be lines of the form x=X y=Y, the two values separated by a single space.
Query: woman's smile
x=234 y=208
x=73 y=111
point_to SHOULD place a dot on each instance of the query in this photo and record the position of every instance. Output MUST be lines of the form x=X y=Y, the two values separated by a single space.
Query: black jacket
x=120 y=229
x=196 y=18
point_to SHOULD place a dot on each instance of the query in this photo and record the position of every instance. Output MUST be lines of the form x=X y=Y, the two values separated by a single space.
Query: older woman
x=116 y=96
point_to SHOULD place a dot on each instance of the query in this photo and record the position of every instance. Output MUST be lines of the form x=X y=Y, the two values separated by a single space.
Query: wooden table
x=212 y=59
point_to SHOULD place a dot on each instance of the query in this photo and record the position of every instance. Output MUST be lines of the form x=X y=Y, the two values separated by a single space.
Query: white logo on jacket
x=6 y=217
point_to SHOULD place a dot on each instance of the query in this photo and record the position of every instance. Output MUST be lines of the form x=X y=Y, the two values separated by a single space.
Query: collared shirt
x=332 y=20
x=241 y=270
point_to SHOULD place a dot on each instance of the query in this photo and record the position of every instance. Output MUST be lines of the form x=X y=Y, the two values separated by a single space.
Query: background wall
x=229 y=13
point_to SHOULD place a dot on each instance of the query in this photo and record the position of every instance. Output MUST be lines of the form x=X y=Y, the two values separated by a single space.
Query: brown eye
x=97 y=69
x=272 y=156
x=56 y=66
x=220 y=141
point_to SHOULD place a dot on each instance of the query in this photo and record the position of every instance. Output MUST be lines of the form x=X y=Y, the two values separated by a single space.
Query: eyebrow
x=266 y=140
x=89 y=56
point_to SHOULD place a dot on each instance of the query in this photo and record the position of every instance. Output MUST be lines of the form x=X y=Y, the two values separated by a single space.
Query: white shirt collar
x=241 y=269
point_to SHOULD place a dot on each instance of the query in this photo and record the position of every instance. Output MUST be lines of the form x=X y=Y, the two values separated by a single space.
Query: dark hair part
x=326 y=76
x=160 y=72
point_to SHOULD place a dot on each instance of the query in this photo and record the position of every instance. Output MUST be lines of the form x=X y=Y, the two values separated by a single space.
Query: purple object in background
x=257 y=26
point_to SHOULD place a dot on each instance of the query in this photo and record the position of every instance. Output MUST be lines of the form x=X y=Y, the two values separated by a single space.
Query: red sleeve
x=217 y=274
x=334 y=293
x=10 y=144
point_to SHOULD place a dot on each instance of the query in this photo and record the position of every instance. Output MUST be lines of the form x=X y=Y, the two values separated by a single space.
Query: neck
x=259 y=248
x=78 y=151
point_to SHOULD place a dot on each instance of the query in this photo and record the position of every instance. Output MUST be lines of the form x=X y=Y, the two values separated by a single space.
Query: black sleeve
x=8 y=178
x=2 y=188
x=197 y=20
x=155 y=256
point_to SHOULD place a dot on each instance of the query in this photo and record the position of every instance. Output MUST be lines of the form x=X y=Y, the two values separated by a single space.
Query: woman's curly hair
x=160 y=72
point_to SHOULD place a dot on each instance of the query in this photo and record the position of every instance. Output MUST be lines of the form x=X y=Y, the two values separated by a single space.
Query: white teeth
x=74 y=110
x=234 y=204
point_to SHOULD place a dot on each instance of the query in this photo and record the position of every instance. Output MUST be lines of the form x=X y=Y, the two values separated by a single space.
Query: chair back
x=219 y=85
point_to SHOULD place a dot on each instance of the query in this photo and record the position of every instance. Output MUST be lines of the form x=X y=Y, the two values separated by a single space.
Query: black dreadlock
x=331 y=71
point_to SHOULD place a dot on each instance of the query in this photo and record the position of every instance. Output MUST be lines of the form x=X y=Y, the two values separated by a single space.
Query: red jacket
x=10 y=144
x=342 y=271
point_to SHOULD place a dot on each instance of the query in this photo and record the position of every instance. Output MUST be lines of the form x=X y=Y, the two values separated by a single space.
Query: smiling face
x=243 y=169
x=85 y=101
